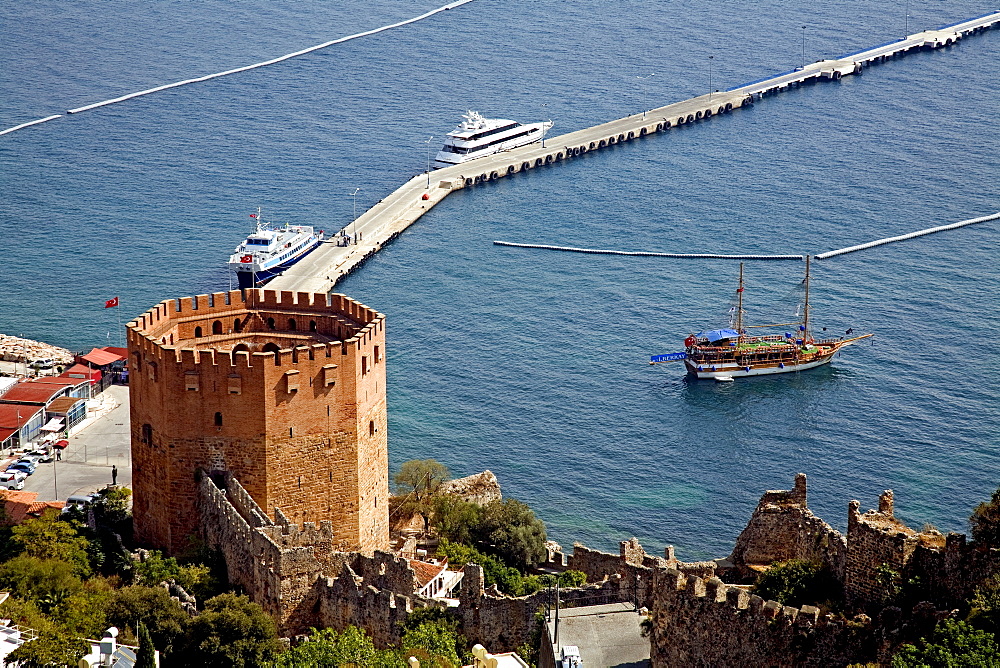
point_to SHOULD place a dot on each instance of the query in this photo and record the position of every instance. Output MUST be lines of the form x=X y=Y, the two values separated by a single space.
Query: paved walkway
x=607 y=635
x=98 y=444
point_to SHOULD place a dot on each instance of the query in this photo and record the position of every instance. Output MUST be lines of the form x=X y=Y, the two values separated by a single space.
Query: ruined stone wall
x=706 y=623
x=478 y=488
x=876 y=541
x=782 y=527
x=504 y=623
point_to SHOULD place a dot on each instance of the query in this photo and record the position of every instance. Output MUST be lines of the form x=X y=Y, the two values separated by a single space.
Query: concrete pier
x=324 y=267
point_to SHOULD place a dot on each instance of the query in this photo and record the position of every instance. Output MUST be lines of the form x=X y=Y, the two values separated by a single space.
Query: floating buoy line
x=236 y=70
x=717 y=256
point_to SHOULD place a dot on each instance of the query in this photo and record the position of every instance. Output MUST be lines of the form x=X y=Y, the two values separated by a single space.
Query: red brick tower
x=286 y=391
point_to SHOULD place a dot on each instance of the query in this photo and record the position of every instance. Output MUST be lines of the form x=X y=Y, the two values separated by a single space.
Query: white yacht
x=477 y=137
x=268 y=251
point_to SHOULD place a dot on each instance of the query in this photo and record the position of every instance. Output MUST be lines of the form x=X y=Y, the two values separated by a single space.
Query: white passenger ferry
x=477 y=137
x=269 y=251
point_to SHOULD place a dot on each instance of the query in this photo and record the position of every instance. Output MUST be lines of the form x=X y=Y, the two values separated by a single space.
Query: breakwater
x=386 y=220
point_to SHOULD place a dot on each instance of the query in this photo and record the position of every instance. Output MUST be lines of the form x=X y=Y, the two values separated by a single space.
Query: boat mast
x=805 y=310
x=739 y=308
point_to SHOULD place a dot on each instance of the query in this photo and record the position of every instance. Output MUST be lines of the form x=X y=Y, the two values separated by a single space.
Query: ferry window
x=218 y=419
x=197 y=332
x=270 y=323
x=217 y=327
x=291 y=324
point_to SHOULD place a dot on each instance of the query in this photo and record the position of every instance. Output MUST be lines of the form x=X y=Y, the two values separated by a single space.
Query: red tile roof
x=426 y=571
x=9 y=413
x=82 y=371
x=32 y=393
x=21 y=505
x=101 y=357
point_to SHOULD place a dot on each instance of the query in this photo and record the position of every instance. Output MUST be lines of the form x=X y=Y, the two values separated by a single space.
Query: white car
x=11 y=480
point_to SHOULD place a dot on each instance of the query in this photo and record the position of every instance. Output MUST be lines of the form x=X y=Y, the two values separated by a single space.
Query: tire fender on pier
x=494 y=175
x=631 y=135
x=680 y=120
x=525 y=165
x=729 y=106
x=690 y=118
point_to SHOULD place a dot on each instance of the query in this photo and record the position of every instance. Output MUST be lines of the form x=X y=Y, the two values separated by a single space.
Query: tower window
x=270 y=323
x=217 y=327
x=376 y=355
x=237 y=325
x=197 y=332
x=371 y=427
x=147 y=434
x=218 y=419
x=291 y=325
x=312 y=325
x=364 y=364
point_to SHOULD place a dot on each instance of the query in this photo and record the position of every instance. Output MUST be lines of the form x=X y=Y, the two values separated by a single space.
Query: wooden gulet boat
x=725 y=354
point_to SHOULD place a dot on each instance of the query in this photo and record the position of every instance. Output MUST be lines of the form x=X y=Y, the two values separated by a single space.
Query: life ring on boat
x=246 y=258
x=690 y=341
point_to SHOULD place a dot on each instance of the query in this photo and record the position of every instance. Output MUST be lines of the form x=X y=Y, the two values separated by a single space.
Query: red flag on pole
x=253 y=215
x=111 y=303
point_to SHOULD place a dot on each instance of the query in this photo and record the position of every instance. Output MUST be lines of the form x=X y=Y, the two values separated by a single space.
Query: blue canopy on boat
x=718 y=334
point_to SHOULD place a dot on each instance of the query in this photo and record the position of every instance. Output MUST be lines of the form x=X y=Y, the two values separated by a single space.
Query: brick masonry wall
x=303 y=427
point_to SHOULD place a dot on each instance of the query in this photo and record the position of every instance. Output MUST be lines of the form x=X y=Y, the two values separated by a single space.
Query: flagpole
x=118 y=310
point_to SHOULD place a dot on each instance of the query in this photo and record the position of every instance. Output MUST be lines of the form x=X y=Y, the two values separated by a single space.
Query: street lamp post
x=906 y=20
x=543 y=125
x=355 y=219
x=803 y=47
x=428 y=142
x=710 y=59
x=643 y=80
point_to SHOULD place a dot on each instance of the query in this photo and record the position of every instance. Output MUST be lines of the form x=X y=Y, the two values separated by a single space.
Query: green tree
x=510 y=530
x=146 y=656
x=327 y=648
x=113 y=505
x=154 y=569
x=420 y=478
x=985 y=522
x=985 y=605
x=162 y=616
x=433 y=644
x=49 y=649
x=84 y=612
x=798 y=582
x=231 y=632
x=46 y=581
x=953 y=644
x=48 y=537
x=455 y=519
x=507 y=578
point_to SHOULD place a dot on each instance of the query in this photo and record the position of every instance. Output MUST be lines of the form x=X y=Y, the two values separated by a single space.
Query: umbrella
x=61 y=443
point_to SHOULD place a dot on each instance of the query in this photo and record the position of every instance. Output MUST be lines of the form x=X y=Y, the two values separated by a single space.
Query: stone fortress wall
x=286 y=391
x=302 y=579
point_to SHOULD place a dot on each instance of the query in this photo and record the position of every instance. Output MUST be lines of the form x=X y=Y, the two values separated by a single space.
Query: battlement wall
x=698 y=622
x=783 y=527
x=506 y=622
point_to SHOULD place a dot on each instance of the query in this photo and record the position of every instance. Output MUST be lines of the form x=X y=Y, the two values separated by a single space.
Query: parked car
x=11 y=480
x=40 y=456
x=78 y=502
x=25 y=466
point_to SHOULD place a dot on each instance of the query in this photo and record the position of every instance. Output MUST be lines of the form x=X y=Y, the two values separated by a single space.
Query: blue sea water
x=532 y=363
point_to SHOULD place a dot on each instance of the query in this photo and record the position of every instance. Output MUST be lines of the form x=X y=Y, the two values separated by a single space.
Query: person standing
x=114 y=475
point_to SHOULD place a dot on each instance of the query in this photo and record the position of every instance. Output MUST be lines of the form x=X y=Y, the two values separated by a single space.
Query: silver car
x=11 y=480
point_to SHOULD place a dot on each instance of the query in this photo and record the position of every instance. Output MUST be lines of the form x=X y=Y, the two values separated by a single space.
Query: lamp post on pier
x=710 y=59
x=906 y=20
x=355 y=218
x=803 y=54
x=644 y=80
x=428 y=142
x=543 y=126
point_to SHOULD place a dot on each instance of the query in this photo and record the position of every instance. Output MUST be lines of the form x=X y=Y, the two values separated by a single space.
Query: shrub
x=797 y=582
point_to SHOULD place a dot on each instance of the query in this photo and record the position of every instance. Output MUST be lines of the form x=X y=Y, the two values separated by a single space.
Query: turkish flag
x=253 y=215
x=111 y=303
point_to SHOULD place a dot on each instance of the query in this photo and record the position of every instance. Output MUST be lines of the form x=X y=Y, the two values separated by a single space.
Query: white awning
x=55 y=424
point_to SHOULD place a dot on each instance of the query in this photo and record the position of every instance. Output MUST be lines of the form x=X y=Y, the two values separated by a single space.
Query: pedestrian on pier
x=114 y=475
